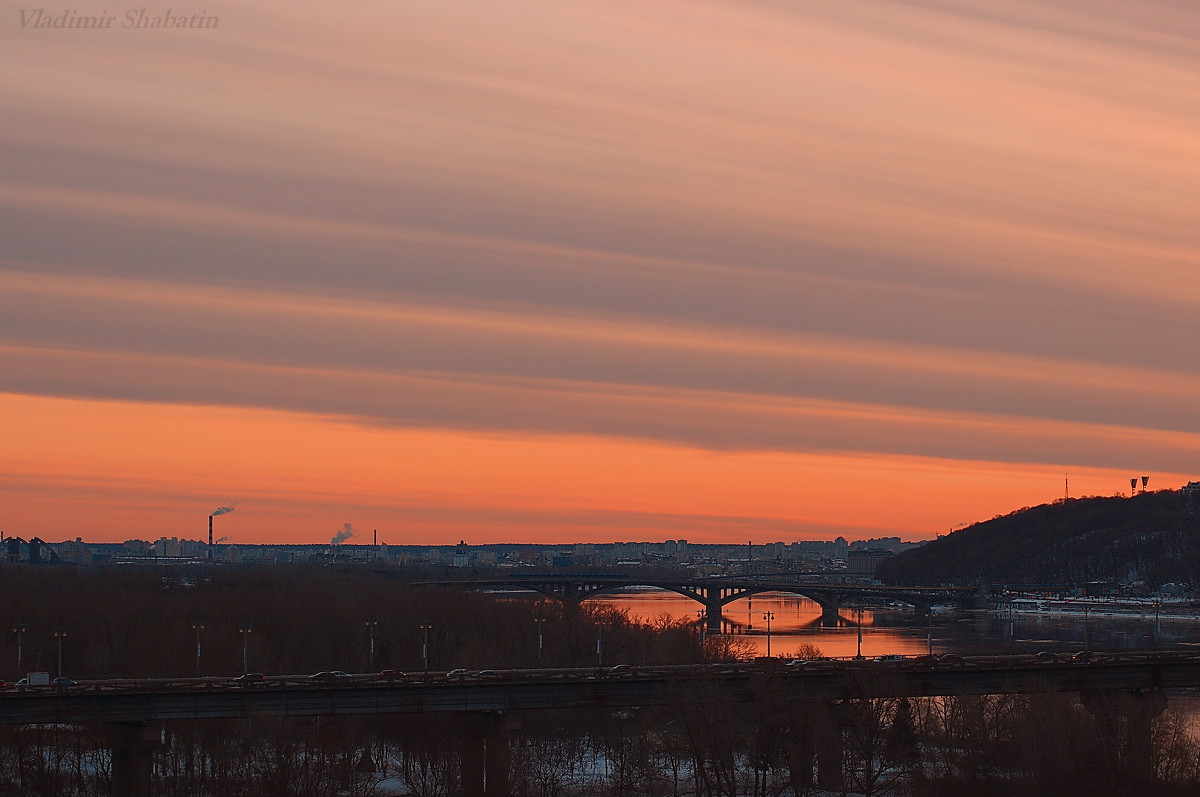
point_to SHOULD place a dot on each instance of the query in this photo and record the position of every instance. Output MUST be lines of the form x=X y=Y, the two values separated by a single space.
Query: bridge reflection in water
x=795 y=621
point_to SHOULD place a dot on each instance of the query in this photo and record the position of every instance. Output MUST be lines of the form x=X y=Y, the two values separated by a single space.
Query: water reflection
x=797 y=620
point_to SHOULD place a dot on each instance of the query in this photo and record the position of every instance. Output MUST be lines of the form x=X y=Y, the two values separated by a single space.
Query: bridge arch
x=714 y=597
x=715 y=594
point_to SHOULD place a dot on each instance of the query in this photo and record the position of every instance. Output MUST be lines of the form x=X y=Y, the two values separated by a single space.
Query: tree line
x=701 y=745
x=144 y=622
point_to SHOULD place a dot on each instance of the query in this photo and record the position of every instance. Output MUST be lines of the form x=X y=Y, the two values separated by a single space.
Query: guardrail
x=448 y=678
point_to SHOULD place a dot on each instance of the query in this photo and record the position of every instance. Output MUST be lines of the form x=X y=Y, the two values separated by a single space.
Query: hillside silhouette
x=1152 y=537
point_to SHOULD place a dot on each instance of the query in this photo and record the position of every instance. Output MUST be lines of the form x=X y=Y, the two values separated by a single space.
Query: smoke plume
x=346 y=533
x=224 y=510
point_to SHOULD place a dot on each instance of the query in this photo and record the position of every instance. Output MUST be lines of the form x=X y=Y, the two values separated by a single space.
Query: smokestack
x=221 y=510
x=375 y=537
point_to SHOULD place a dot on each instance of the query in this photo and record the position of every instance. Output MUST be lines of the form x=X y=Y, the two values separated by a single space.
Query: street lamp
x=859 y=655
x=371 y=622
x=425 y=626
x=929 y=636
x=19 y=630
x=244 y=629
x=768 y=616
x=702 y=616
x=59 y=633
x=198 y=626
x=599 y=646
x=540 y=620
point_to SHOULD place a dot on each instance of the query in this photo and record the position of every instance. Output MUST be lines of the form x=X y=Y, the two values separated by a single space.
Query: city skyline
x=554 y=271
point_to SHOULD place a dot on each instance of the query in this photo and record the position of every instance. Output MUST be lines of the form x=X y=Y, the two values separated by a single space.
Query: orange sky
x=568 y=271
x=82 y=471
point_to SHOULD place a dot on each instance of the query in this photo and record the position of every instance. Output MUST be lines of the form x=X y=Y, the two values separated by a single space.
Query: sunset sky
x=568 y=270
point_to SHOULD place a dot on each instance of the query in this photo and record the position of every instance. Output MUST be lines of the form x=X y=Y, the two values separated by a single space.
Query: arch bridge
x=715 y=593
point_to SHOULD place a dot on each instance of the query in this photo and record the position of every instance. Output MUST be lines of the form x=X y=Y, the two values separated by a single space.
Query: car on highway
x=329 y=675
x=62 y=683
x=248 y=678
x=458 y=672
x=392 y=675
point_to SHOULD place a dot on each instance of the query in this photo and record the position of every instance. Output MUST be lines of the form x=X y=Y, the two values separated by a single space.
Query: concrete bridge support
x=712 y=617
x=712 y=598
x=132 y=745
x=485 y=756
x=829 y=613
x=713 y=609
x=1125 y=724
x=830 y=745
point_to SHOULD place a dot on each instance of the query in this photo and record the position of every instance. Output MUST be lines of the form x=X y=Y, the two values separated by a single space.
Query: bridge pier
x=1125 y=724
x=485 y=755
x=132 y=745
x=829 y=746
x=829 y=613
x=713 y=611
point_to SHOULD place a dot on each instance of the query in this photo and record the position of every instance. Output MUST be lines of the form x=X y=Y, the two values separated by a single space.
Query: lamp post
x=540 y=620
x=19 y=630
x=59 y=633
x=371 y=622
x=929 y=635
x=599 y=646
x=244 y=629
x=425 y=626
x=768 y=616
x=198 y=627
x=702 y=616
x=859 y=655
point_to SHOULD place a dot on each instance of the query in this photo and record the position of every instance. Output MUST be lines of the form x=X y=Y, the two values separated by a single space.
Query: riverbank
x=1132 y=608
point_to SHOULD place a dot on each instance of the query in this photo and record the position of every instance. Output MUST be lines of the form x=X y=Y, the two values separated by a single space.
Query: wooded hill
x=1152 y=537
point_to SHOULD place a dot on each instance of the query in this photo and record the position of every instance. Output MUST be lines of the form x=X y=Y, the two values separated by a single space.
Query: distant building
x=34 y=551
x=75 y=552
x=168 y=548
x=864 y=562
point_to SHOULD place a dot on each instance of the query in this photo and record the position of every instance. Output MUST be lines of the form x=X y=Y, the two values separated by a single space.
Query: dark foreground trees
x=706 y=743
x=144 y=622
x=703 y=745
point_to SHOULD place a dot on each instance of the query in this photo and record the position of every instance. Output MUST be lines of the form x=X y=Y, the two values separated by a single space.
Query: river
x=795 y=621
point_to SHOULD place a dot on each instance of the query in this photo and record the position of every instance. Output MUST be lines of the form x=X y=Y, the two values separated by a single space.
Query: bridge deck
x=148 y=701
